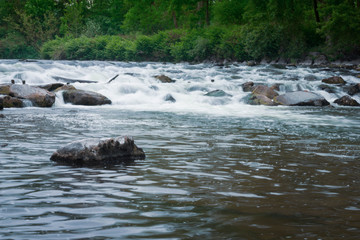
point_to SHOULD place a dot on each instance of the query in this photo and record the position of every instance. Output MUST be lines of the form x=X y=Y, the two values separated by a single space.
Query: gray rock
x=354 y=89
x=95 y=152
x=347 y=101
x=38 y=96
x=321 y=60
x=218 y=93
x=87 y=98
x=169 y=98
x=301 y=98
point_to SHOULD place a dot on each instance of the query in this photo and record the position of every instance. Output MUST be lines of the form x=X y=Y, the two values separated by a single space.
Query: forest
x=179 y=30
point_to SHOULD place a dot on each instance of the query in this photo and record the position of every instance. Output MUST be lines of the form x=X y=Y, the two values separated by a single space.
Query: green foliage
x=14 y=45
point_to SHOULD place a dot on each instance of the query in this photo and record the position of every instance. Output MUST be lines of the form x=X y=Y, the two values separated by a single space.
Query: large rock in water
x=92 y=152
x=334 y=80
x=301 y=98
x=12 y=102
x=347 y=101
x=88 y=98
x=39 y=97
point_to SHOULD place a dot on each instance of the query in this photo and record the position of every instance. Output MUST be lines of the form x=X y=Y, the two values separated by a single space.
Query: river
x=215 y=167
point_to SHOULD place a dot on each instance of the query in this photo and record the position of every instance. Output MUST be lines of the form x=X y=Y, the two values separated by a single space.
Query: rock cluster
x=19 y=95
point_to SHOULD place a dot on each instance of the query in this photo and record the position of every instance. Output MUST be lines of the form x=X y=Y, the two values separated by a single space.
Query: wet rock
x=169 y=98
x=39 y=97
x=164 y=79
x=347 y=101
x=265 y=91
x=251 y=63
x=354 y=89
x=95 y=152
x=301 y=98
x=52 y=86
x=87 y=98
x=2 y=116
x=248 y=86
x=334 y=80
x=1 y=103
x=328 y=88
x=197 y=88
x=12 y=102
x=218 y=93
x=256 y=99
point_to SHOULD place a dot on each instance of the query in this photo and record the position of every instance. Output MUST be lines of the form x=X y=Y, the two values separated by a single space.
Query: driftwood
x=69 y=80
x=112 y=79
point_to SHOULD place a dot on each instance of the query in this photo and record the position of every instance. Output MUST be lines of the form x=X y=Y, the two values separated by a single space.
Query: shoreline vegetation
x=275 y=31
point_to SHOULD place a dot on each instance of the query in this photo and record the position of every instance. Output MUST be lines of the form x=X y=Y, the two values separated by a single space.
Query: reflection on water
x=204 y=176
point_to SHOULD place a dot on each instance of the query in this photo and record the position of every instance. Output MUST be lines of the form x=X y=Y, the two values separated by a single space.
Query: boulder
x=51 y=87
x=12 y=102
x=95 y=152
x=164 y=79
x=38 y=96
x=320 y=60
x=88 y=98
x=301 y=98
x=265 y=91
x=334 y=80
x=248 y=86
x=256 y=99
x=347 y=101
x=354 y=89
x=169 y=98
x=1 y=103
x=218 y=93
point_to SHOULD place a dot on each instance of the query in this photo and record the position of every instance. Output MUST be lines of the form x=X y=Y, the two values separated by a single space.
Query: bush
x=14 y=46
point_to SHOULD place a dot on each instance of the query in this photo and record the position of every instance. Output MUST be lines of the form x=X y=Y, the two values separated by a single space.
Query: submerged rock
x=334 y=80
x=87 y=98
x=347 y=101
x=164 y=79
x=93 y=152
x=218 y=93
x=301 y=98
x=169 y=98
x=265 y=91
x=354 y=89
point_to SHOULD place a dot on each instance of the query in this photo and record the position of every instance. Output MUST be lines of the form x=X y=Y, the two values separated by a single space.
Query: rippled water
x=214 y=170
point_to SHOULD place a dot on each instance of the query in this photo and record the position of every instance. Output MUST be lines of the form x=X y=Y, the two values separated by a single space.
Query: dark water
x=205 y=176
x=216 y=168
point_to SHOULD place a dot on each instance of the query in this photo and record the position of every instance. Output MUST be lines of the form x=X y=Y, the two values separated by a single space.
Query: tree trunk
x=207 y=14
x=317 y=17
x=174 y=19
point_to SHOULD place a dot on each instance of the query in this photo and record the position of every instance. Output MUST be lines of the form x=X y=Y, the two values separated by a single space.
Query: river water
x=215 y=168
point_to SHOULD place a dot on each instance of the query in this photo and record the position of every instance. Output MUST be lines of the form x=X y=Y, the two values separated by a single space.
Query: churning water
x=216 y=167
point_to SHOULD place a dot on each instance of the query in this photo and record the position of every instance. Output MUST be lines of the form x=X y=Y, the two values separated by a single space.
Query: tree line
x=187 y=30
